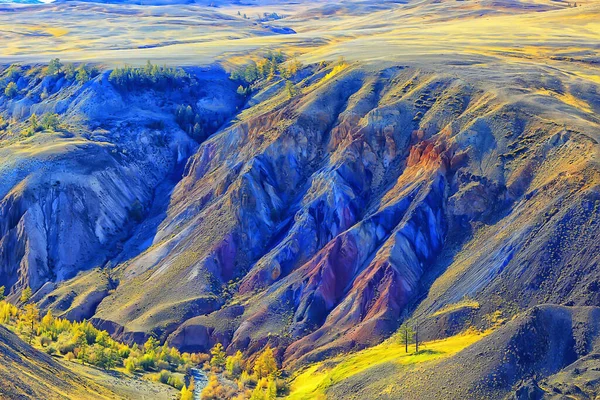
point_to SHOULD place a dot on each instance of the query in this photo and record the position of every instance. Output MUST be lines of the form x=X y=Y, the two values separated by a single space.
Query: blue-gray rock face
x=71 y=197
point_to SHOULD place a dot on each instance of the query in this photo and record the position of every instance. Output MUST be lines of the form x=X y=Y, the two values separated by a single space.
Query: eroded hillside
x=20 y=363
x=313 y=222
x=72 y=191
x=317 y=212
x=28 y=373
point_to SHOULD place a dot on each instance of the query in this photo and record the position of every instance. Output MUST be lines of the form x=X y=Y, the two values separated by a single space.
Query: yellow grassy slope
x=28 y=373
x=313 y=381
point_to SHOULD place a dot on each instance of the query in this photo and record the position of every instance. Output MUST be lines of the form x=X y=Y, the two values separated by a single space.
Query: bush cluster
x=191 y=122
x=151 y=76
x=268 y=67
x=83 y=342
x=9 y=78
x=48 y=122
x=241 y=379
x=81 y=73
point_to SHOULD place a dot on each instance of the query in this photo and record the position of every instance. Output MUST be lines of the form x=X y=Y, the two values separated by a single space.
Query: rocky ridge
x=318 y=223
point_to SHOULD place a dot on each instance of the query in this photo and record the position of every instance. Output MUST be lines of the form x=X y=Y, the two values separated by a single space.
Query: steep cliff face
x=71 y=197
x=317 y=223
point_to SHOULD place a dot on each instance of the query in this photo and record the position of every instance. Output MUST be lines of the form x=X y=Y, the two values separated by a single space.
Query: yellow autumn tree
x=30 y=316
x=265 y=365
x=218 y=356
x=233 y=364
x=26 y=295
x=187 y=393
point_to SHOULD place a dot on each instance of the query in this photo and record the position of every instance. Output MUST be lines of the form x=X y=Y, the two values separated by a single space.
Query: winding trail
x=200 y=382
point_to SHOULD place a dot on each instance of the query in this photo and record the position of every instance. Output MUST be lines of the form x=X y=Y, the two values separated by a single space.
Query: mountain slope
x=542 y=342
x=314 y=223
x=449 y=178
x=28 y=373
x=330 y=210
x=70 y=198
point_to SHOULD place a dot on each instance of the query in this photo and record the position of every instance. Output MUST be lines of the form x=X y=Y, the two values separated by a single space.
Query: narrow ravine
x=200 y=382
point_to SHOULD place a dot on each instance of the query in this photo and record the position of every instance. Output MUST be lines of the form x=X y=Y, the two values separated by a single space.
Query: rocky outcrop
x=69 y=203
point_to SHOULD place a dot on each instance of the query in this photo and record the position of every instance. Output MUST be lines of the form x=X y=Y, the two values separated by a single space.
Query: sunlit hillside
x=313 y=382
x=269 y=199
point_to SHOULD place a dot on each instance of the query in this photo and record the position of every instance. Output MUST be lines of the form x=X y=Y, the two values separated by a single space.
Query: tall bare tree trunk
x=417 y=339
x=31 y=333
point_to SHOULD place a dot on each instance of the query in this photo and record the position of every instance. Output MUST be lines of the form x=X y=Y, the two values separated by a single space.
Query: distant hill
x=209 y=3
x=20 y=2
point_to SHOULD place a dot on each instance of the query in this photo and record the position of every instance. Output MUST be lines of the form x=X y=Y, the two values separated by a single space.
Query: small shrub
x=161 y=364
x=50 y=350
x=34 y=126
x=50 y=121
x=199 y=358
x=214 y=390
x=147 y=362
x=54 y=67
x=176 y=382
x=248 y=380
x=44 y=340
x=11 y=90
x=291 y=89
x=69 y=71
x=83 y=75
x=130 y=365
x=164 y=376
